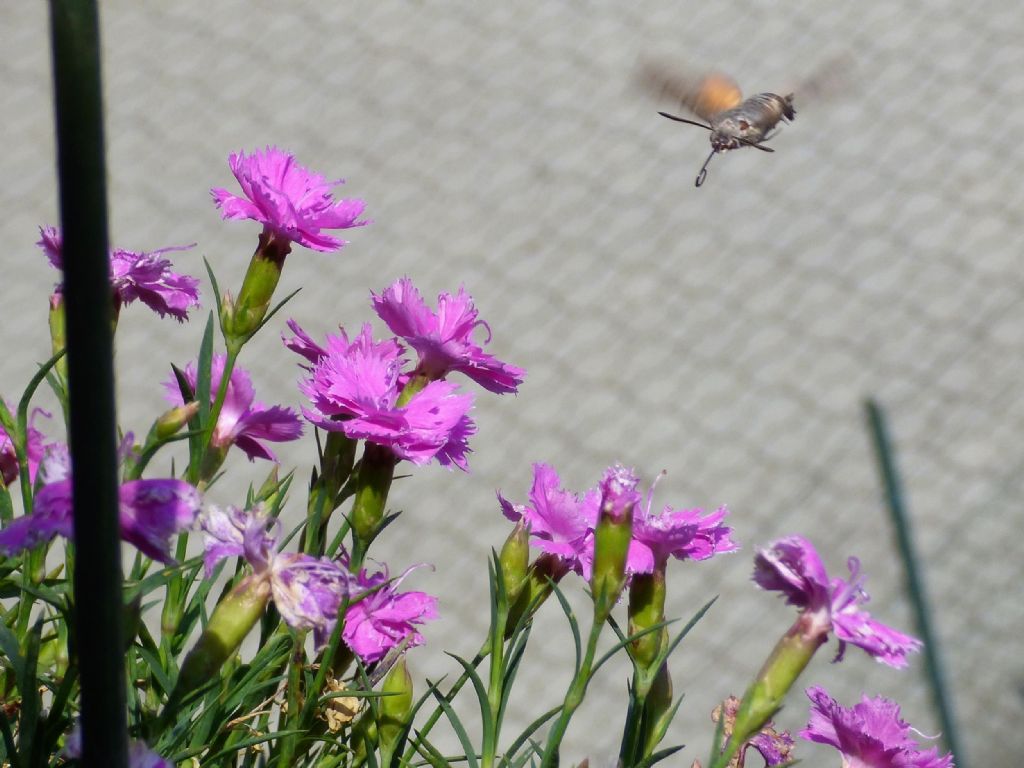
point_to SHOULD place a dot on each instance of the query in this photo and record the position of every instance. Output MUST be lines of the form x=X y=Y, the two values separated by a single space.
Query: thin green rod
x=941 y=699
x=74 y=28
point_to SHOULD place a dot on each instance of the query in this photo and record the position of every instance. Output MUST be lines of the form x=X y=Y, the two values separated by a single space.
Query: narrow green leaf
x=460 y=730
x=480 y=689
x=216 y=293
x=658 y=756
x=28 y=687
x=624 y=640
x=433 y=756
x=9 y=646
x=275 y=310
x=689 y=625
x=527 y=734
x=573 y=625
x=10 y=749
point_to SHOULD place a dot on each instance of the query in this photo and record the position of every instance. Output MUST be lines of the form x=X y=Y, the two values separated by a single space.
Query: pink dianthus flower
x=137 y=275
x=869 y=734
x=444 y=339
x=792 y=566
x=355 y=388
x=384 y=618
x=293 y=203
x=243 y=421
x=306 y=590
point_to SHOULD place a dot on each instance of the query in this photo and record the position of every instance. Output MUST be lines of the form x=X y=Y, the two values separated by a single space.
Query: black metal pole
x=91 y=428
x=915 y=584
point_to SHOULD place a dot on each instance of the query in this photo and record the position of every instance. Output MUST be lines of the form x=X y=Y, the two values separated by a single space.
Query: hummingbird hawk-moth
x=733 y=121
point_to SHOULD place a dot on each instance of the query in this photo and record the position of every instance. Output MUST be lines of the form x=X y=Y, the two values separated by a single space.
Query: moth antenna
x=703 y=174
x=684 y=120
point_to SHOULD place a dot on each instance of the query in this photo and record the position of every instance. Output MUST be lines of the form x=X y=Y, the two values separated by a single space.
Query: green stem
x=213 y=457
x=573 y=697
x=941 y=698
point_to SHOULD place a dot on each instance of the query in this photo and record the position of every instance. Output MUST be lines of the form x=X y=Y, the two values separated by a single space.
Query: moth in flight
x=733 y=121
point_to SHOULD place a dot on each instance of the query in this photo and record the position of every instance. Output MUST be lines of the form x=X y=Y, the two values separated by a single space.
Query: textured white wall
x=726 y=334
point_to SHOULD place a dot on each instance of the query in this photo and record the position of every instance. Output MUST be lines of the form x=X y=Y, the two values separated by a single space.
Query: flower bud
x=231 y=621
x=612 y=538
x=376 y=470
x=544 y=571
x=647 y=609
x=170 y=422
x=659 y=710
x=395 y=708
x=270 y=488
x=764 y=696
x=242 y=316
x=58 y=332
x=515 y=560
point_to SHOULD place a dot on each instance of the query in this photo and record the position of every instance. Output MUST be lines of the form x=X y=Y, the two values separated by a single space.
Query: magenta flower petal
x=308 y=592
x=233 y=532
x=137 y=276
x=561 y=522
x=775 y=748
x=792 y=566
x=443 y=340
x=355 y=386
x=154 y=510
x=686 y=534
x=303 y=344
x=35 y=447
x=51 y=517
x=242 y=421
x=289 y=200
x=869 y=734
x=854 y=625
x=385 y=618
x=151 y=511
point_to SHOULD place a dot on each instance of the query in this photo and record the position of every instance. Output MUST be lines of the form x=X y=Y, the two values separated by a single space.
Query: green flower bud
x=544 y=571
x=58 y=333
x=395 y=708
x=242 y=316
x=376 y=470
x=231 y=621
x=764 y=696
x=515 y=560
x=658 y=708
x=647 y=609
x=612 y=537
x=611 y=546
x=170 y=422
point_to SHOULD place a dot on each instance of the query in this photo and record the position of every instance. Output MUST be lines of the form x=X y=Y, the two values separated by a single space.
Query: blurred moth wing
x=705 y=95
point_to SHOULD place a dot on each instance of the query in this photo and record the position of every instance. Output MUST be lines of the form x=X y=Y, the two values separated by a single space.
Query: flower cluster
x=309 y=591
x=562 y=524
x=398 y=396
x=359 y=386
